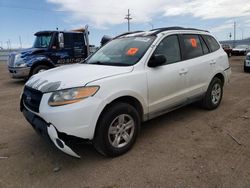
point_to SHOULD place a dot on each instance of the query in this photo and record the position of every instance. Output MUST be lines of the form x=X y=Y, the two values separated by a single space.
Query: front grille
x=11 y=60
x=32 y=98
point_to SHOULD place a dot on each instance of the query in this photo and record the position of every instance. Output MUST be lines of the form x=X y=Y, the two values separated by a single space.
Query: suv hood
x=70 y=76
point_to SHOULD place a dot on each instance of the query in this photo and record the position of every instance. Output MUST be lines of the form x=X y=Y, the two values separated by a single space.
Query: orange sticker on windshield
x=132 y=51
x=193 y=43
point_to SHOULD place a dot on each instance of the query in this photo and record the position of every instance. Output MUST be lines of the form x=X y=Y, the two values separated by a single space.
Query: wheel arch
x=38 y=63
x=133 y=101
x=220 y=76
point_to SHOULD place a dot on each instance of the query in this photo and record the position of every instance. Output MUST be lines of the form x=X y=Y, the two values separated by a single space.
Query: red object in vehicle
x=228 y=49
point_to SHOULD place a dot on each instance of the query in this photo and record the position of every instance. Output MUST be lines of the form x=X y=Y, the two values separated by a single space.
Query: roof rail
x=127 y=33
x=159 y=30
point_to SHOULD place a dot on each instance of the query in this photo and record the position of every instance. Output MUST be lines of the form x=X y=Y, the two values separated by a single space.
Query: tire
x=110 y=132
x=39 y=68
x=246 y=69
x=213 y=95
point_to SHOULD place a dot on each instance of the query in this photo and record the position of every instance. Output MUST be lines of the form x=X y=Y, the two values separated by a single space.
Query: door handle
x=213 y=62
x=183 y=71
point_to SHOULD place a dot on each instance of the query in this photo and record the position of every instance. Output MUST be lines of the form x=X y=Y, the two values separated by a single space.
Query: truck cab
x=50 y=49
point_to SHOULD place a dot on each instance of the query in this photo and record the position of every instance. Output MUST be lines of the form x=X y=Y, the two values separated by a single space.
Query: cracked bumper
x=47 y=131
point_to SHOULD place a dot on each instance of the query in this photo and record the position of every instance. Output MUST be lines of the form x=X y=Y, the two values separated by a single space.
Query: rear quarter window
x=211 y=42
x=191 y=46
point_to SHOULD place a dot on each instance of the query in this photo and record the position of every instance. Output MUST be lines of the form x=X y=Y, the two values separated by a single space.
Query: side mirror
x=157 y=60
x=61 y=40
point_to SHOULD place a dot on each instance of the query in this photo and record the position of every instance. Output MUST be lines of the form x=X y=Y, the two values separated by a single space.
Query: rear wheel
x=39 y=68
x=213 y=95
x=117 y=130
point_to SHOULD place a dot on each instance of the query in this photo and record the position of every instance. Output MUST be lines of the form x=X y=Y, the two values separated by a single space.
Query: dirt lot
x=189 y=147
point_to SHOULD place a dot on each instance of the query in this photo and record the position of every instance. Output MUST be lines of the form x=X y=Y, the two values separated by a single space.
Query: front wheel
x=39 y=68
x=117 y=130
x=213 y=95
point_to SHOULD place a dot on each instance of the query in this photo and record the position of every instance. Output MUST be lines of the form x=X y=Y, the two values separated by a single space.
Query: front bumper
x=47 y=131
x=19 y=72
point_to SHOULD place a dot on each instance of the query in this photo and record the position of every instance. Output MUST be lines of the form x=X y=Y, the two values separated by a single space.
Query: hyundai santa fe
x=133 y=78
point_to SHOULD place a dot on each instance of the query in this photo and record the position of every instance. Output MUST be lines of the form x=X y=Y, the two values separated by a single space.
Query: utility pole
x=128 y=18
x=20 y=41
x=234 y=33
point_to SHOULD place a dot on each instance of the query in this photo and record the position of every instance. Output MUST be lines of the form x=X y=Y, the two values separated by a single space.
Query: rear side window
x=204 y=46
x=211 y=42
x=191 y=46
x=78 y=39
x=169 y=47
x=68 y=38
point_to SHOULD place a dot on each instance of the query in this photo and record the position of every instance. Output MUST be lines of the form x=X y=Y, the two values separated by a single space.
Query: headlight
x=19 y=61
x=69 y=96
x=21 y=64
x=18 y=57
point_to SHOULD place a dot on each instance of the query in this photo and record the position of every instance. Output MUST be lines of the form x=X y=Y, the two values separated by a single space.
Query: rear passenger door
x=197 y=62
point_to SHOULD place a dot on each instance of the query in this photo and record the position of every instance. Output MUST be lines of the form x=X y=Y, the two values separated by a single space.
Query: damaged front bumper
x=47 y=131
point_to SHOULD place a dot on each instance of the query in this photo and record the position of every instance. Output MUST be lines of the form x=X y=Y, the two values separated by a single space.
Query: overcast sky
x=106 y=17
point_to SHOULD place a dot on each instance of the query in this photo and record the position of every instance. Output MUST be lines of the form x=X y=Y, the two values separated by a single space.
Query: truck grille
x=11 y=60
x=32 y=98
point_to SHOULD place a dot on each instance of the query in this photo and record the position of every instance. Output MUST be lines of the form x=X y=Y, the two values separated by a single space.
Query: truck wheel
x=39 y=68
x=213 y=95
x=117 y=130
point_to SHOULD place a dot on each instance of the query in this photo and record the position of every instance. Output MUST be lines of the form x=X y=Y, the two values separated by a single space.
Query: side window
x=78 y=40
x=169 y=47
x=68 y=40
x=204 y=46
x=192 y=46
x=211 y=42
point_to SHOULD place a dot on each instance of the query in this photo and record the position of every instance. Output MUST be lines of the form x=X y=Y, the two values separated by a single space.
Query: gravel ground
x=189 y=147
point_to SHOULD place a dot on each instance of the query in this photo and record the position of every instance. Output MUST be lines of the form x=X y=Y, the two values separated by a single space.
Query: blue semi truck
x=50 y=49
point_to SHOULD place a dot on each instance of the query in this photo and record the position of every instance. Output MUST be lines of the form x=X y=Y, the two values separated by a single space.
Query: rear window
x=211 y=42
x=192 y=46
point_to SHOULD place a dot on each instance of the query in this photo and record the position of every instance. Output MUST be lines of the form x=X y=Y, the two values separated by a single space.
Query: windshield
x=122 y=51
x=242 y=46
x=42 y=41
x=248 y=57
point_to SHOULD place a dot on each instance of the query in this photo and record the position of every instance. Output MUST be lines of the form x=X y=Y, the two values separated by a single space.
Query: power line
x=128 y=18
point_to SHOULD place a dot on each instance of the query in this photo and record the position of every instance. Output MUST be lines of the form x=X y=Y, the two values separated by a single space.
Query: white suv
x=133 y=78
x=247 y=63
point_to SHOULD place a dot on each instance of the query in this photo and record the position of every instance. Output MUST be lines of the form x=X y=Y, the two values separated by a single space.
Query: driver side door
x=167 y=84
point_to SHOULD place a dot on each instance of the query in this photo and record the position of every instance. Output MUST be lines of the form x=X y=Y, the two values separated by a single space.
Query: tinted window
x=169 y=47
x=78 y=39
x=192 y=46
x=204 y=46
x=68 y=38
x=211 y=42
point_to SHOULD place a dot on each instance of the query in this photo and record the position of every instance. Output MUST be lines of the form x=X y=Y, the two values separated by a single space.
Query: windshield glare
x=122 y=51
x=42 y=41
